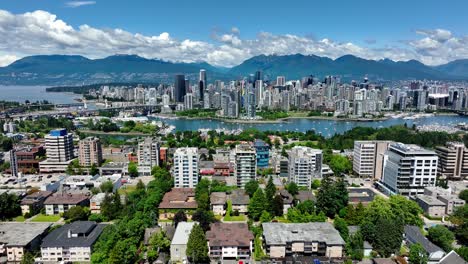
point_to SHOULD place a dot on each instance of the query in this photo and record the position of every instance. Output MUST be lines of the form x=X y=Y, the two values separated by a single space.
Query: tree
x=270 y=189
x=332 y=196
x=203 y=201
x=292 y=188
x=463 y=252
x=180 y=216
x=408 y=210
x=441 y=236
x=315 y=184
x=160 y=241
x=111 y=206
x=76 y=213
x=460 y=219
x=140 y=185
x=356 y=246
x=132 y=170
x=197 y=246
x=257 y=204
x=265 y=217
x=417 y=254
x=388 y=234
x=204 y=218
x=251 y=187
x=342 y=227
x=277 y=205
x=93 y=170
x=340 y=164
x=28 y=258
x=9 y=206
x=464 y=195
x=107 y=187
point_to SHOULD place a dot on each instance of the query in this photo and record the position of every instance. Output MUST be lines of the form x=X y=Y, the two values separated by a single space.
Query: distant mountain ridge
x=75 y=69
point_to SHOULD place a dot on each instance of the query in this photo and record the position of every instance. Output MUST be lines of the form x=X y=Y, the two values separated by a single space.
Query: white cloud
x=7 y=59
x=41 y=32
x=74 y=4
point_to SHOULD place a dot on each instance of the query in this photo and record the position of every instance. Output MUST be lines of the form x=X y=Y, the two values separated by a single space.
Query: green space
x=19 y=218
x=236 y=218
x=126 y=189
x=197 y=113
x=272 y=114
x=45 y=218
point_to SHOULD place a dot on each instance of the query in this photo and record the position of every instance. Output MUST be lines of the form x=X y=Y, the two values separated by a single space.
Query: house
x=175 y=200
x=319 y=239
x=95 y=203
x=303 y=196
x=18 y=238
x=71 y=242
x=288 y=200
x=180 y=240
x=218 y=202
x=452 y=258
x=413 y=235
x=60 y=203
x=239 y=200
x=34 y=202
x=229 y=241
x=431 y=206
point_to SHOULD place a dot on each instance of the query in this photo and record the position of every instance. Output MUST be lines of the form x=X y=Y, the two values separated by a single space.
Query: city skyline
x=221 y=35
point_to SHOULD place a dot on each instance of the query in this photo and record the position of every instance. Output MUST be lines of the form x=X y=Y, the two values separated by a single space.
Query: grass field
x=19 y=219
x=45 y=218
x=126 y=189
x=231 y=218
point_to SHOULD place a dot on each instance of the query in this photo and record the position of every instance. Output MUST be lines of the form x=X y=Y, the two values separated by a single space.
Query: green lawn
x=231 y=218
x=19 y=219
x=126 y=189
x=45 y=218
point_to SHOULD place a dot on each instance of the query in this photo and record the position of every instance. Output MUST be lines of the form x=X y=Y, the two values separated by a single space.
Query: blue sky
x=376 y=29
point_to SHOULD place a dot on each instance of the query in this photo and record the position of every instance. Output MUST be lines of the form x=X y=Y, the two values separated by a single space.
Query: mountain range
x=75 y=70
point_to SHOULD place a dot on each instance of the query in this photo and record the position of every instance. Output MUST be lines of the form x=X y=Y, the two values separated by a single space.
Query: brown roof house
x=218 y=202
x=60 y=203
x=34 y=202
x=175 y=200
x=229 y=241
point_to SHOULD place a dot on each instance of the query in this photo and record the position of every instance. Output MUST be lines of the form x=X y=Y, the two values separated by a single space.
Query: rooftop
x=66 y=199
x=35 y=197
x=76 y=234
x=452 y=258
x=21 y=234
x=430 y=200
x=282 y=233
x=218 y=198
x=414 y=235
x=239 y=197
x=182 y=233
x=229 y=234
x=179 y=198
x=305 y=195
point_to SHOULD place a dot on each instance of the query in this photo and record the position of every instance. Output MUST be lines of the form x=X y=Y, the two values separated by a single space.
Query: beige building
x=368 y=158
x=321 y=239
x=179 y=242
x=451 y=202
x=90 y=151
x=431 y=205
x=60 y=203
x=453 y=161
x=18 y=238
x=218 y=202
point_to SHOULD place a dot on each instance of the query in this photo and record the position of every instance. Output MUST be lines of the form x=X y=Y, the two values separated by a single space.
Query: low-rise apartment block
x=17 y=238
x=60 y=203
x=229 y=241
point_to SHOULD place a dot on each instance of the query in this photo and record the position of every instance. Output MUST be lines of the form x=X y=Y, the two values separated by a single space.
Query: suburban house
x=413 y=235
x=71 y=242
x=218 y=202
x=60 y=203
x=17 y=238
x=303 y=196
x=452 y=258
x=239 y=200
x=229 y=241
x=175 y=200
x=319 y=239
x=34 y=202
x=180 y=240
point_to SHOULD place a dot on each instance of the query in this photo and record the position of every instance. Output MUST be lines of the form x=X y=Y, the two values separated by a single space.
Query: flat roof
x=21 y=234
x=182 y=233
x=283 y=233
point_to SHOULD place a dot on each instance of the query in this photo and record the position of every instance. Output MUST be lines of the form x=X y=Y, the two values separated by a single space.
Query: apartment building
x=185 y=168
x=453 y=161
x=304 y=164
x=368 y=158
x=148 y=155
x=321 y=239
x=60 y=203
x=246 y=164
x=90 y=152
x=408 y=169
x=71 y=242
x=229 y=241
x=59 y=150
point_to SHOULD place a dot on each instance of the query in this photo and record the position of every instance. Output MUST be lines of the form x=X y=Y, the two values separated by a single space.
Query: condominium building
x=284 y=241
x=453 y=161
x=90 y=151
x=59 y=150
x=304 y=164
x=71 y=243
x=368 y=157
x=408 y=169
x=185 y=168
x=246 y=164
x=229 y=241
x=148 y=155
x=263 y=153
